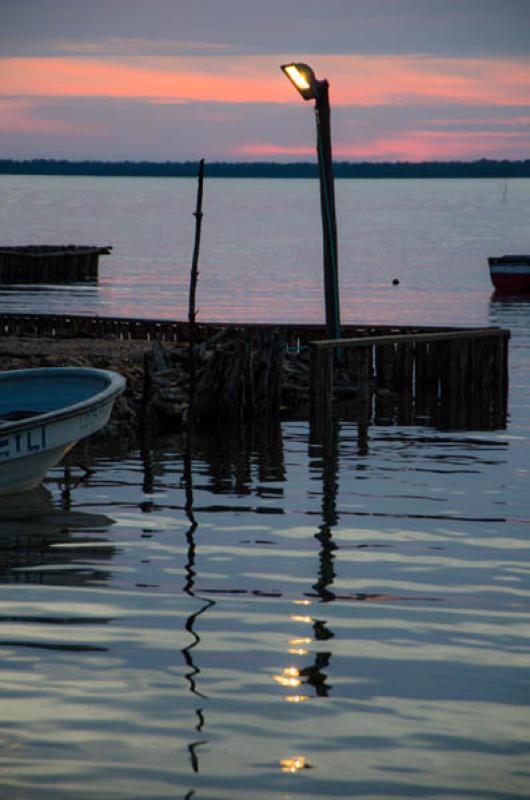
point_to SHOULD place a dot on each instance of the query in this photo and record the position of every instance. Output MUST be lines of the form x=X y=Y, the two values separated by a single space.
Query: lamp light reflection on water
x=294 y=764
x=293 y=672
x=290 y=677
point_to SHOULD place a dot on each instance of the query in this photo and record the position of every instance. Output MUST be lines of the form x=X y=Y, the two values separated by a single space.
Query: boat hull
x=29 y=471
x=32 y=446
x=510 y=274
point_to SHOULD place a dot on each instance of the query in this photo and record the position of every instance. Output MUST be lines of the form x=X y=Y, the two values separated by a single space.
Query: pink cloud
x=411 y=146
x=355 y=80
x=427 y=145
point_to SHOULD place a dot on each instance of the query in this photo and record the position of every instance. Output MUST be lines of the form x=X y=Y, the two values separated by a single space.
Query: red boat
x=510 y=274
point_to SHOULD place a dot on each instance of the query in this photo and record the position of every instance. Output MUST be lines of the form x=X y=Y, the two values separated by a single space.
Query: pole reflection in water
x=312 y=674
x=329 y=461
x=245 y=461
x=329 y=450
x=147 y=461
x=189 y=584
x=324 y=451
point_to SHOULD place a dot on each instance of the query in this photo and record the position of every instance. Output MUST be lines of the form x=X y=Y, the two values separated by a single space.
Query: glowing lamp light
x=303 y=79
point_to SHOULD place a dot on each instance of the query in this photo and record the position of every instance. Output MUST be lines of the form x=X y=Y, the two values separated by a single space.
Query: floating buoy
x=395 y=282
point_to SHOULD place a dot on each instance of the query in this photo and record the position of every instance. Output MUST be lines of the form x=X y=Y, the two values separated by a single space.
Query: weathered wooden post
x=188 y=455
x=321 y=380
x=192 y=313
x=327 y=205
x=364 y=399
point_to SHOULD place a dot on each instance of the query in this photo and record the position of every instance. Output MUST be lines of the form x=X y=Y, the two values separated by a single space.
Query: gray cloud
x=122 y=129
x=451 y=27
x=112 y=128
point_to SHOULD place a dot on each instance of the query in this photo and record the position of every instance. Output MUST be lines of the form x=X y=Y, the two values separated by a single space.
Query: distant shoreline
x=483 y=168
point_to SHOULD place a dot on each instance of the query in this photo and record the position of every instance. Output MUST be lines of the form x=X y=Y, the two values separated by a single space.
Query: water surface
x=328 y=622
x=261 y=245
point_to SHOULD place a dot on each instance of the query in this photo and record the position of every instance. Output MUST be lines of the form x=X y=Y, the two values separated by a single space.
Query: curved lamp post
x=303 y=79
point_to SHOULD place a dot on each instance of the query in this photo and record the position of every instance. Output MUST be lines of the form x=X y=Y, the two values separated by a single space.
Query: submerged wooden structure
x=406 y=375
x=452 y=378
x=50 y=263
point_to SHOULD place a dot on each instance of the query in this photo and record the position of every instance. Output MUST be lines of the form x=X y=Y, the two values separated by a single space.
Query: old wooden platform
x=170 y=330
x=450 y=377
x=454 y=378
x=50 y=263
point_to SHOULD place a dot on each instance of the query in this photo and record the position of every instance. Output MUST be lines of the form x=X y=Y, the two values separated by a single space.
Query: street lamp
x=303 y=79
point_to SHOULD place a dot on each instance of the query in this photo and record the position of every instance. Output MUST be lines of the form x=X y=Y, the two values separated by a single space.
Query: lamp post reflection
x=326 y=445
x=314 y=674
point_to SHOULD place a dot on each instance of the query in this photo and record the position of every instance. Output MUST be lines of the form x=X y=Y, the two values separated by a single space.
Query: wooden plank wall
x=458 y=379
x=50 y=264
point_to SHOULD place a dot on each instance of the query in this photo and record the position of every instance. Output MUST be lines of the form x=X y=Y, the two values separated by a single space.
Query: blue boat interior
x=18 y=414
x=23 y=396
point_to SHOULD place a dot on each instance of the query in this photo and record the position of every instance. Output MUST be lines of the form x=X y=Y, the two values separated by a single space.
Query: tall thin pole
x=193 y=289
x=192 y=313
x=327 y=204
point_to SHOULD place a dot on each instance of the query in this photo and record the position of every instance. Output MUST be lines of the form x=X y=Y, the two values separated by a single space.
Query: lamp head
x=303 y=79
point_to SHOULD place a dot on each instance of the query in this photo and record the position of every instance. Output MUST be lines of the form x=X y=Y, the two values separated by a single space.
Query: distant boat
x=510 y=274
x=43 y=413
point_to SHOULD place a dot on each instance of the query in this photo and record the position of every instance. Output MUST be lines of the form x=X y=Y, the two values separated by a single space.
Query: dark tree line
x=483 y=168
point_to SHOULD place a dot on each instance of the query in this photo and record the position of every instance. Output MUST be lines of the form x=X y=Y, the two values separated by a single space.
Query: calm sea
x=333 y=624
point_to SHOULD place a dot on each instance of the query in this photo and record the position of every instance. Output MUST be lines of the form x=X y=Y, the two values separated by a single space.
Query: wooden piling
x=364 y=400
x=192 y=312
x=321 y=385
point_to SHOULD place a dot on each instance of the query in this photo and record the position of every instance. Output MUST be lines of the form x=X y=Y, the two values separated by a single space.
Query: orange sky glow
x=355 y=80
x=361 y=80
x=417 y=145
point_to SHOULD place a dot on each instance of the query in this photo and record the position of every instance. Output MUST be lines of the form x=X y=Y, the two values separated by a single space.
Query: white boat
x=43 y=413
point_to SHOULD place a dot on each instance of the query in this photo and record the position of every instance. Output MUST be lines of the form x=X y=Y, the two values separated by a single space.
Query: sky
x=179 y=80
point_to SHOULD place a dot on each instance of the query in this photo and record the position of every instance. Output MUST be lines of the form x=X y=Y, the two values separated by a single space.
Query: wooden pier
x=454 y=378
x=170 y=330
x=406 y=375
x=50 y=263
